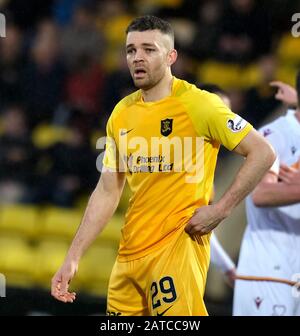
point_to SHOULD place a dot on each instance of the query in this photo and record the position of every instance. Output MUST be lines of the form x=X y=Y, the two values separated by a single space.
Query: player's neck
x=161 y=90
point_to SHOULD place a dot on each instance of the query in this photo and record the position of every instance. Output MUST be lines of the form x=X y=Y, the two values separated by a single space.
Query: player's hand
x=61 y=280
x=285 y=93
x=289 y=175
x=204 y=220
x=230 y=277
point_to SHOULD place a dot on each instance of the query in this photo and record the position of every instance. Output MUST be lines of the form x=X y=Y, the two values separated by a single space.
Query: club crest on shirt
x=166 y=127
x=236 y=124
x=258 y=302
x=293 y=150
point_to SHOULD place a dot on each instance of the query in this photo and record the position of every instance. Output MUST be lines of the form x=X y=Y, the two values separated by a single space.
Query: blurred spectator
x=43 y=77
x=25 y=14
x=208 y=29
x=84 y=89
x=118 y=84
x=81 y=39
x=112 y=18
x=187 y=9
x=11 y=64
x=17 y=156
x=280 y=13
x=242 y=22
x=182 y=68
x=260 y=101
x=237 y=99
x=72 y=169
x=63 y=10
x=110 y=11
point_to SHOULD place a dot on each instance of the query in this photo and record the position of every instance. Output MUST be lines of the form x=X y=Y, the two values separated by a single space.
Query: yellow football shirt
x=169 y=150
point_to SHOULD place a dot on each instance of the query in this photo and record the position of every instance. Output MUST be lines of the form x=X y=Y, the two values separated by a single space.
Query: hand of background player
x=289 y=175
x=204 y=220
x=230 y=277
x=61 y=280
x=286 y=93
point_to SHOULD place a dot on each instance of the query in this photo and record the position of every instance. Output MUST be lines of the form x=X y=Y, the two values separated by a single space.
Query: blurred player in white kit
x=271 y=242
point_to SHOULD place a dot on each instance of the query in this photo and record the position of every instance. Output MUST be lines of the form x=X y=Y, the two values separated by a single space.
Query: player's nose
x=139 y=55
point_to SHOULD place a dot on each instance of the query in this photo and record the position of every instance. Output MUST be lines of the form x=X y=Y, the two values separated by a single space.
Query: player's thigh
x=262 y=298
x=124 y=297
x=177 y=281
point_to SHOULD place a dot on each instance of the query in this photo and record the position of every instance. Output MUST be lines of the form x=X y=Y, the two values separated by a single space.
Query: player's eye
x=130 y=51
x=149 y=50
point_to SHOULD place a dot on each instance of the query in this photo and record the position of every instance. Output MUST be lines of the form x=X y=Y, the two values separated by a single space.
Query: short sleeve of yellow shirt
x=216 y=121
x=111 y=156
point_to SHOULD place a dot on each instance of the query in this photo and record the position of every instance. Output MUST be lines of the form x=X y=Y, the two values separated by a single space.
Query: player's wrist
x=72 y=257
x=222 y=209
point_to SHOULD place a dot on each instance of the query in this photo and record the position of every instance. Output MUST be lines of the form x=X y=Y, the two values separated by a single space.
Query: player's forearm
x=100 y=209
x=276 y=194
x=251 y=172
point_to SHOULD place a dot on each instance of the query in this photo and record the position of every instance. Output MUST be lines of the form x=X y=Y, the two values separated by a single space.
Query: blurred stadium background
x=62 y=69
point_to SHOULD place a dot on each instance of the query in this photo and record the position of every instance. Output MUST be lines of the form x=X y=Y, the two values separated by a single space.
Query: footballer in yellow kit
x=157 y=259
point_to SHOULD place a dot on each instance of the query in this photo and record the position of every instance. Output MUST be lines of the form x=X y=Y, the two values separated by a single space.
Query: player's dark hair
x=150 y=22
x=298 y=87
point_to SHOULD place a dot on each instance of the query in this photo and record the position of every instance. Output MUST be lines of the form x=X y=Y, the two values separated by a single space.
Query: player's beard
x=146 y=83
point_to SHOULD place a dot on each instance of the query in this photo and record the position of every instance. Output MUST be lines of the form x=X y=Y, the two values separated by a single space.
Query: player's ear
x=172 y=57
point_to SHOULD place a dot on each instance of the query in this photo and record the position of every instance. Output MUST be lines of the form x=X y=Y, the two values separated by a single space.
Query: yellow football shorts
x=167 y=282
